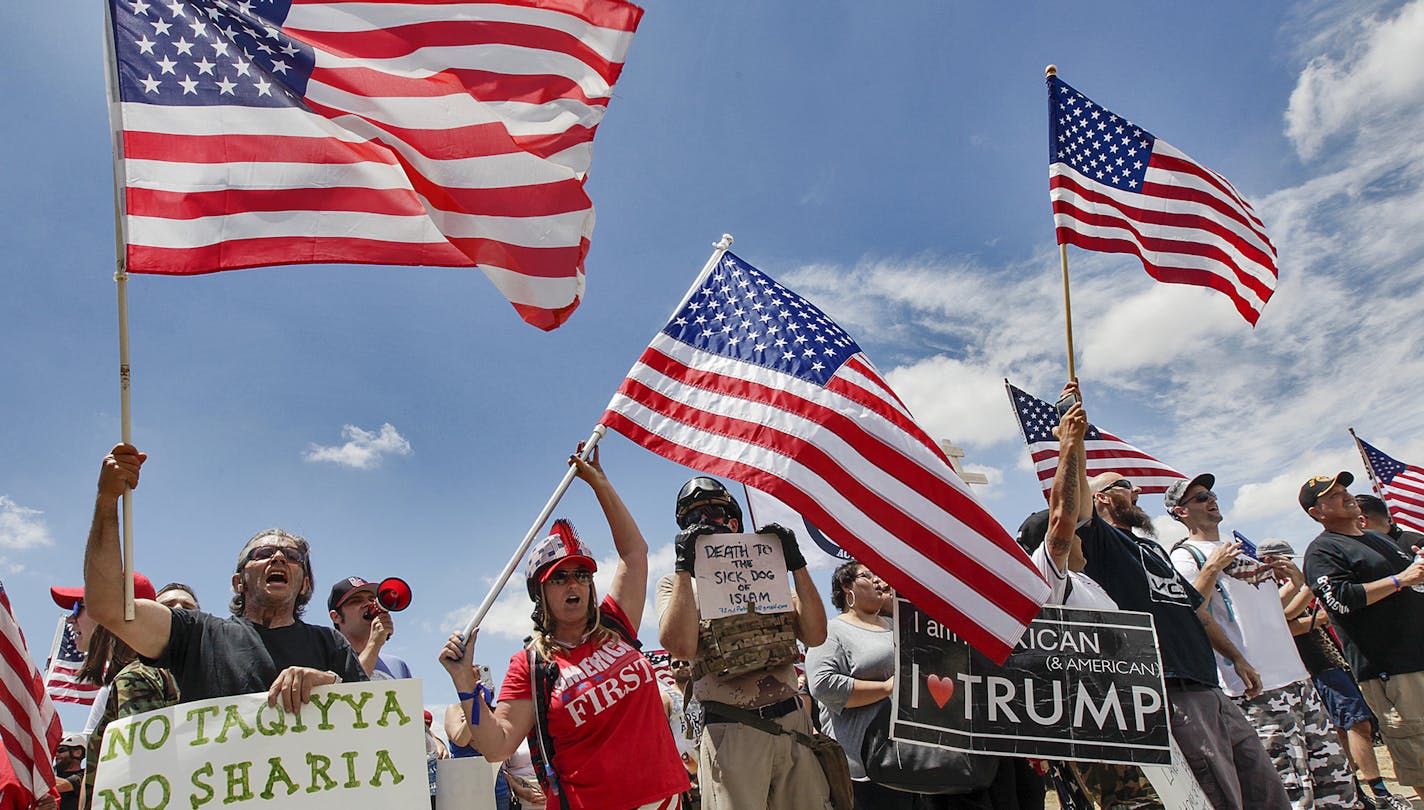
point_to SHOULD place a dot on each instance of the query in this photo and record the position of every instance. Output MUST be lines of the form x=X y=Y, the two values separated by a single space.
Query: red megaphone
x=393 y=593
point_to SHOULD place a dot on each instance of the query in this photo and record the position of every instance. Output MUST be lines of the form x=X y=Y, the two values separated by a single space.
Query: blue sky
x=887 y=161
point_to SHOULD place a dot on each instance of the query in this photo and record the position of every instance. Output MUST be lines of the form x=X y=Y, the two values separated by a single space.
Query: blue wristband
x=483 y=694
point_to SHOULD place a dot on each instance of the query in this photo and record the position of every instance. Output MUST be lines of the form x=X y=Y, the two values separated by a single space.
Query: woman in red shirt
x=598 y=703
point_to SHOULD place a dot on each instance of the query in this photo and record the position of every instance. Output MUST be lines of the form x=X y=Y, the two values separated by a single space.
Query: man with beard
x=1220 y=746
x=1371 y=591
x=1242 y=597
x=264 y=646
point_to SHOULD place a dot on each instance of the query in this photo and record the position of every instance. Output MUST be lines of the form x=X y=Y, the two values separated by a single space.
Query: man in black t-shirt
x=1372 y=592
x=1221 y=748
x=264 y=646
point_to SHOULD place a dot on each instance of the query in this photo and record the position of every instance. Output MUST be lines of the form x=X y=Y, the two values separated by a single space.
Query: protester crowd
x=1281 y=670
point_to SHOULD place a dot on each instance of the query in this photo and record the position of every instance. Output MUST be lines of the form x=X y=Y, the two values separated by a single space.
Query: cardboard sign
x=737 y=571
x=1080 y=685
x=1176 y=785
x=353 y=745
x=464 y=783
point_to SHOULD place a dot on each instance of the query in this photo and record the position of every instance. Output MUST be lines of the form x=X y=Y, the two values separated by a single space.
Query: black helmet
x=703 y=490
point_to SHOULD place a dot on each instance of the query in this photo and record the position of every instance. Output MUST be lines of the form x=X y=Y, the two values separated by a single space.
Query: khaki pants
x=742 y=768
x=1399 y=705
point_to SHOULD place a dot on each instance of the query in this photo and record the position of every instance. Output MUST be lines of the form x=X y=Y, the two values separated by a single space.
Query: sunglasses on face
x=1123 y=484
x=582 y=576
x=74 y=614
x=292 y=555
x=712 y=513
x=1200 y=497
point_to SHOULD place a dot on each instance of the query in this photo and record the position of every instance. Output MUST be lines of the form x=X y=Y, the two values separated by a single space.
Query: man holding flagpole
x=264 y=646
x=1221 y=747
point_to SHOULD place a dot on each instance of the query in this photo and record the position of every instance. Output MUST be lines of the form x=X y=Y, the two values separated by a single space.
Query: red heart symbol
x=941 y=689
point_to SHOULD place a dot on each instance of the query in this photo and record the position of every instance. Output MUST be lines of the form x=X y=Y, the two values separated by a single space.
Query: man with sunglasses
x=69 y=769
x=263 y=647
x=1242 y=596
x=1371 y=590
x=741 y=766
x=1220 y=746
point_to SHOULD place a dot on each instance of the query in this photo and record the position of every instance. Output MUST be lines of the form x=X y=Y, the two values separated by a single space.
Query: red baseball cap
x=66 y=597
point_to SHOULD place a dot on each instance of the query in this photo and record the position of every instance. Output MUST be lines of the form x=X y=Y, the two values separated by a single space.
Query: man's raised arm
x=103 y=562
x=1068 y=499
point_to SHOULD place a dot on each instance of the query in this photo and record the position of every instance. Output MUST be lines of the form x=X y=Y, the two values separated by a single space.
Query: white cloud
x=1377 y=79
x=22 y=527
x=363 y=450
x=971 y=411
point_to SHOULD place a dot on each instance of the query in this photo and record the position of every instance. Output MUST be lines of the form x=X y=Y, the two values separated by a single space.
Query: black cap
x=343 y=589
x=1033 y=530
x=1311 y=490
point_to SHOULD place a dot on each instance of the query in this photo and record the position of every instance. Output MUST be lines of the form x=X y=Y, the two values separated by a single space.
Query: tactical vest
x=729 y=646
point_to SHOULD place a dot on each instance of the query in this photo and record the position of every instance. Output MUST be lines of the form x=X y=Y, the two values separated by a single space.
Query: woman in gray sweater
x=853 y=671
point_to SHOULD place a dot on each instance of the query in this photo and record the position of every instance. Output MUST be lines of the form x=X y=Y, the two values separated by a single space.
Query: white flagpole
x=54 y=649
x=121 y=278
x=539 y=522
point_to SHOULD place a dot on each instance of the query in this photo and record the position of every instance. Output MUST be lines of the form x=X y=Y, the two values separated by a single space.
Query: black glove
x=686 y=544
x=794 y=558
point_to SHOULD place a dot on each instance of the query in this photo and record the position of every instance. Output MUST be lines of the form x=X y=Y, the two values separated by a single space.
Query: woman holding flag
x=581 y=692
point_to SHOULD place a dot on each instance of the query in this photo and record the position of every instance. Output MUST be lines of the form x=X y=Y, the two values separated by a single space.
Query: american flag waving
x=1400 y=486
x=1105 y=452
x=62 y=680
x=751 y=382
x=1117 y=188
x=411 y=132
x=30 y=728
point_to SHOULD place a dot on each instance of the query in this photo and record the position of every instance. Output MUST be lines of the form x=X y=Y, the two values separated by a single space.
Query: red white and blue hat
x=560 y=545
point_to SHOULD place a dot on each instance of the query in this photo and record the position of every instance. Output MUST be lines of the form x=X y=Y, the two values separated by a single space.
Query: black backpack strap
x=541 y=744
x=620 y=627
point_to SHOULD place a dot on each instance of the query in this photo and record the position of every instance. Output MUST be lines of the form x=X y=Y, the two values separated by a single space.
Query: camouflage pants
x=1301 y=742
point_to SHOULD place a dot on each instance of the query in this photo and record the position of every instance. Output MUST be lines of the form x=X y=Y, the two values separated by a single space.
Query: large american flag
x=1105 y=452
x=751 y=382
x=1400 y=486
x=30 y=728
x=1117 y=188
x=410 y=132
x=62 y=680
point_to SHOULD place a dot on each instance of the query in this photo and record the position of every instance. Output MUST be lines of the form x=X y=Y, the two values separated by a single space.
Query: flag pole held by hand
x=539 y=522
x=1048 y=73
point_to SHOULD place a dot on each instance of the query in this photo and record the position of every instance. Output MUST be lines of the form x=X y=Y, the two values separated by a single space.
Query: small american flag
x=409 y=132
x=1400 y=486
x=1105 y=452
x=62 y=681
x=1117 y=188
x=751 y=382
x=30 y=728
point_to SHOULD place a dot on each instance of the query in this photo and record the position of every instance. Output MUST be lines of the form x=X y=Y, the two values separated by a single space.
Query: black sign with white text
x=1080 y=685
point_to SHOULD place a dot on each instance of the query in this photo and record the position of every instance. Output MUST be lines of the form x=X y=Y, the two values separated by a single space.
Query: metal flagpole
x=121 y=278
x=1049 y=72
x=533 y=531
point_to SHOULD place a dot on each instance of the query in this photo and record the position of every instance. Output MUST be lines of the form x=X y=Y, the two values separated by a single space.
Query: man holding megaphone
x=361 y=611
